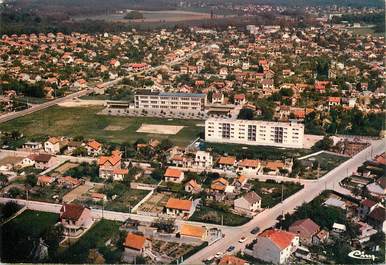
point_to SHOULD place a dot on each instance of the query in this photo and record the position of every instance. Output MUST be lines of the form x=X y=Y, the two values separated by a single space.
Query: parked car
x=230 y=248
x=218 y=255
x=255 y=230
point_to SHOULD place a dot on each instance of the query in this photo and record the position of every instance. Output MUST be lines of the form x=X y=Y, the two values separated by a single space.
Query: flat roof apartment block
x=252 y=132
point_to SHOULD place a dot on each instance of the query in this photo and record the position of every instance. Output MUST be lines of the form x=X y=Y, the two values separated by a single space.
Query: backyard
x=255 y=152
x=126 y=200
x=19 y=234
x=321 y=165
x=84 y=121
x=96 y=238
x=216 y=216
x=271 y=192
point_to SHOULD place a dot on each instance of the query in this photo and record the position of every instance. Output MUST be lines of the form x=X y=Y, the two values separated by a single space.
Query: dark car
x=255 y=230
x=230 y=248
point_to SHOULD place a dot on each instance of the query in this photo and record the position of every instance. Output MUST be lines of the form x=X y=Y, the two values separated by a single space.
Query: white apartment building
x=169 y=101
x=252 y=132
x=203 y=159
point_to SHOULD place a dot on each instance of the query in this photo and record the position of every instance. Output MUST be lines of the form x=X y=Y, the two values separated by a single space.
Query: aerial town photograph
x=216 y=132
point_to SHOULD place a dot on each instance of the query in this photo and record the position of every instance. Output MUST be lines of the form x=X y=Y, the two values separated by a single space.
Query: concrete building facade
x=253 y=132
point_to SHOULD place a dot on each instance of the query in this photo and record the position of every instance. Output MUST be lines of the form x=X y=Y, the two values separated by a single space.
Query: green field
x=215 y=216
x=84 y=121
x=18 y=235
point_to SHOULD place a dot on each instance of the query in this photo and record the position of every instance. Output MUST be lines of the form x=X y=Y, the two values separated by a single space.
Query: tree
x=325 y=144
x=165 y=224
x=245 y=114
x=94 y=257
x=80 y=151
x=165 y=144
x=9 y=209
x=3 y=179
x=52 y=237
x=14 y=192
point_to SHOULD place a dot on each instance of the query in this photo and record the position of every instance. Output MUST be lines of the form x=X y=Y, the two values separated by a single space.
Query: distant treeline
x=377 y=19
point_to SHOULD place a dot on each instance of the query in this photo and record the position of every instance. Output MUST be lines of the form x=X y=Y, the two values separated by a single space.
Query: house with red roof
x=227 y=162
x=306 y=229
x=94 y=148
x=251 y=166
x=75 y=219
x=179 y=208
x=45 y=181
x=275 y=246
x=134 y=245
x=174 y=175
x=107 y=164
x=240 y=99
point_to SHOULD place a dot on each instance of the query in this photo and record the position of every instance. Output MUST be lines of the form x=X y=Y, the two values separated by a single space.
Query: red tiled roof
x=249 y=163
x=94 y=145
x=173 y=173
x=134 y=241
x=178 y=204
x=71 y=211
x=281 y=238
x=227 y=160
x=231 y=260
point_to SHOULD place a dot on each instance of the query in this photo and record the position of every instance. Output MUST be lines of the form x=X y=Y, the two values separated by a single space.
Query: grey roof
x=252 y=197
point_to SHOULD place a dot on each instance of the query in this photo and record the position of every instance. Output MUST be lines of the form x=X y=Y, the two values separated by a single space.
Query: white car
x=218 y=255
x=242 y=239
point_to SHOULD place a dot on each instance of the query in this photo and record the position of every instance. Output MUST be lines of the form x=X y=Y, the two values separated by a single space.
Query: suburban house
x=219 y=184
x=94 y=148
x=320 y=237
x=97 y=197
x=275 y=246
x=248 y=204
x=306 y=229
x=365 y=207
x=193 y=231
x=227 y=162
x=32 y=146
x=134 y=245
x=232 y=260
x=248 y=166
x=44 y=161
x=28 y=161
x=376 y=217
x=192 y=186
x=68 y=182
x=120 y=173
x=75 y=219
x=277 y=167
x=240 y=99
x=203 y=159
x=107 y=164
x=179 y=208
x=52 y=145
x=45 y=181
x=240 y=181
x=173 y=175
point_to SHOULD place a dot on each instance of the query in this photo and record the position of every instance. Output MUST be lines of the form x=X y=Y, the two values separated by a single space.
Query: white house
x=203 y=159
x=179 y=208
x=52 y=145
x=249 y=203
x=174 y=175
x=275 y=246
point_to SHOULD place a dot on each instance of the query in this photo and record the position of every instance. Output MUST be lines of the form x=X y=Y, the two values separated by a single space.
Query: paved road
x=34 y=108
x=98 y=213
x=268 y=217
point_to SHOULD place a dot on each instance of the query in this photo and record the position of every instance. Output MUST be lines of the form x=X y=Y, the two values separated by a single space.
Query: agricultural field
x=84 y=121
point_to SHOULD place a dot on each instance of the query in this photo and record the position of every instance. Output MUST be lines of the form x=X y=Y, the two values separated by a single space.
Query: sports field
x=84 y=121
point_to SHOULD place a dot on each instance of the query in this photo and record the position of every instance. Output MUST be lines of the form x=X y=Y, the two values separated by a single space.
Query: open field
x=366 y=31
x=84 y=121
x=152 y=16
x=17 y=236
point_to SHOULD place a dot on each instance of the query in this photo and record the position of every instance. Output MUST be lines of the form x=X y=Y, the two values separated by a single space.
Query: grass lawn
x=96 y=237
x=18 y=235
x=270 y=193
x=84 y=121
x=213 y=216
x=127 y=201
x=256 y=152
